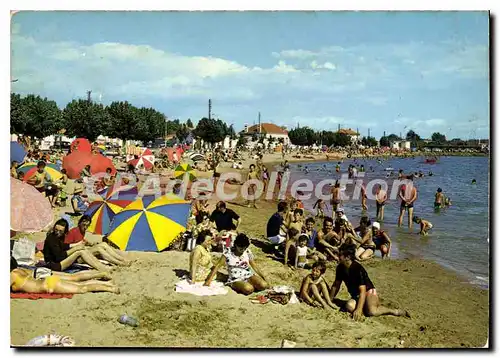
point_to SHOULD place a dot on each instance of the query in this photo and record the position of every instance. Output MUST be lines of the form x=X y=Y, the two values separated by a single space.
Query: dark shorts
x=438 y=205
x=54 y=266
x=380 y=205
x=405 y=206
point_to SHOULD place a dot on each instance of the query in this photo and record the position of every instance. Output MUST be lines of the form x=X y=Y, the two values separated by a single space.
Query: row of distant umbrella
x=142 y=224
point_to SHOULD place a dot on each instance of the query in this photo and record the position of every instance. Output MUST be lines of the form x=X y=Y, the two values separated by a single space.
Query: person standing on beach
x=252 y=188
x=364 y=298
x=335 y=200
x=408 y=194
x=381 y=198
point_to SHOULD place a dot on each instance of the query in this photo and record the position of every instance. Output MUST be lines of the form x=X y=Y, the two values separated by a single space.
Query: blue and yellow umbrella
x=183 y=169
x=30 y=168
x=150 y=224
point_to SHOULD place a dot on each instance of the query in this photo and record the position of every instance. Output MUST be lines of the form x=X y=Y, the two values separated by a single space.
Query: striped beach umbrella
x=145 y=159
x=110 y=202
x=30 y=168
x=150 y=224
x=183 y=169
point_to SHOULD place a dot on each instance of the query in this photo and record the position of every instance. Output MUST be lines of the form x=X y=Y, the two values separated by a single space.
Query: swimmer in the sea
x=425 y=225
x=447 y=201
x=473 y=181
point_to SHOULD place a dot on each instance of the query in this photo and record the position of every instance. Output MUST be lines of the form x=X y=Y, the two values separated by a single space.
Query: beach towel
x=197 y=289
x=37 y=296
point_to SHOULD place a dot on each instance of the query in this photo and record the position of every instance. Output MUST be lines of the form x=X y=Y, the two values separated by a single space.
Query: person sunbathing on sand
x=59 y=256
x=244 y=275
x=364 y=299
x=314 y=289
x=21 y=280
x=76 y=236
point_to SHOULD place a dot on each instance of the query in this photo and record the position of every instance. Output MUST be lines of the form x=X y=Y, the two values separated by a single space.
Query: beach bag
x=24 y=251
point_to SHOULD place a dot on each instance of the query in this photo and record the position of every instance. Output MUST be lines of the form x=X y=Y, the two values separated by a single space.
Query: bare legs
x=380 y=212
x=410 y=217
x=86 y=257
x=84 y=287
x=254 y=283
x=364 y=254
x=83 y=275
x=108 y=253
x=372 y=307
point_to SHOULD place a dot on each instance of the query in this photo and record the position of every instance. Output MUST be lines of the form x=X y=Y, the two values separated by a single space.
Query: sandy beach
x=446 y=311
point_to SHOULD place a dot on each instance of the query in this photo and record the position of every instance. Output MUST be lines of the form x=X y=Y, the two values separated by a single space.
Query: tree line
x=308 y=136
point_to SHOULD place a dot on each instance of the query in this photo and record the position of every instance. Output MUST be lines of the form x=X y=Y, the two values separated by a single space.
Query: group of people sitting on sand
x=61 y=250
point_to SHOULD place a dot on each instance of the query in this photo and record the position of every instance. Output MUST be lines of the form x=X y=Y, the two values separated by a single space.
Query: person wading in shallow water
x=335 y=201
x=408 y=194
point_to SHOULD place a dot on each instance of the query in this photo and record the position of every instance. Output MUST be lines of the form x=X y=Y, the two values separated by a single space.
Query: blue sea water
x=460 y=237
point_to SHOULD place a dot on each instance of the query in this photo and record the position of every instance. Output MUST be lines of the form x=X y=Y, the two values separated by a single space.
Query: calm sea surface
x=460 y=237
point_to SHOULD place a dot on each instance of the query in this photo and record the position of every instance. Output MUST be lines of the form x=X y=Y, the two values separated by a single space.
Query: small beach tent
x=76 y=161
x=81 y=145
x=150 y=224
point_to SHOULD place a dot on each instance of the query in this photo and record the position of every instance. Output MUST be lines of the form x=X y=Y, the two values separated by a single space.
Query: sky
x=372 y=71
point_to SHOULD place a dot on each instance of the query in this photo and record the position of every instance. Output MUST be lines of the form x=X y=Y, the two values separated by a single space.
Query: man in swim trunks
x=381 y=198
x=408 y=194
x=364 y=298
x=335 y=200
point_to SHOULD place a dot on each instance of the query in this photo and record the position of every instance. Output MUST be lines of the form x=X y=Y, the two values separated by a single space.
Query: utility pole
x=89 y=98
x=368 y=132
x=260 y=126
x=209 y=109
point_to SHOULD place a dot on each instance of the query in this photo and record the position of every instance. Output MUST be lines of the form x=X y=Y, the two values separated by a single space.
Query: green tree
x=384 y=142
x=393 y=137
x=210 y=130
x=85 y=119
x=438 y=138
x=189 y=123
x=150 y=123
x=35 y=117
x=182 y=133
x=18 y=117
x=125 y=122
x=41 y=116
x=328 y=138
x=173 y=126
x=232 y=133
x=342 y=140
x=302 y=136
x=413 y=137
x=369 y=142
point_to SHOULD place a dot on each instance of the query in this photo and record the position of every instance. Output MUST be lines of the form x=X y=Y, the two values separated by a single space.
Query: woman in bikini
x=23 y=280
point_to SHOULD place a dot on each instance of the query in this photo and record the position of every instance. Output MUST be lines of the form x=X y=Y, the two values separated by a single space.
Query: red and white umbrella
x=146 y=159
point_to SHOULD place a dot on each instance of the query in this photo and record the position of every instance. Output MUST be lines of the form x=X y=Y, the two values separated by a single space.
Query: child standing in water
x=425 y=225
x=439 y=199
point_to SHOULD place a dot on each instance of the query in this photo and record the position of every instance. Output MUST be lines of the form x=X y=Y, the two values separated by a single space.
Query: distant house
x=267 y=130
x=354 y=135
x=400 y=144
